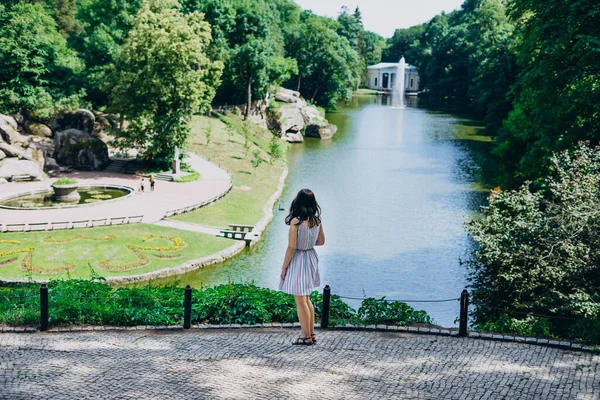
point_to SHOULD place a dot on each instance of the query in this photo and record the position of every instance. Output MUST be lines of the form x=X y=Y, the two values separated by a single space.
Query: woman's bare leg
x=303 y=315
x=311 y=308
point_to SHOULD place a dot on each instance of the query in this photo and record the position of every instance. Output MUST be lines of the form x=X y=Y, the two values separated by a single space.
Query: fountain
x=398 y=89
x=64 y=195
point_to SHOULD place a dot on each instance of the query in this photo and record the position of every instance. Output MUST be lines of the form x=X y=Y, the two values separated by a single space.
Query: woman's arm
x=321 y=237
x=291 y=249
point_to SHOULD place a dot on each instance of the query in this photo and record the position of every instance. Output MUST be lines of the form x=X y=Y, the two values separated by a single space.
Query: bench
x=237 y=235
x=21 y=178
x=241 y=228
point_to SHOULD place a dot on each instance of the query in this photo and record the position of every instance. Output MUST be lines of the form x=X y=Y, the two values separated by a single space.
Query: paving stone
x=261 y=364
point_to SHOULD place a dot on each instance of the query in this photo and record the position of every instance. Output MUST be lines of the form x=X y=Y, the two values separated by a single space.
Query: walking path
x=152 y=205
x=261 y=364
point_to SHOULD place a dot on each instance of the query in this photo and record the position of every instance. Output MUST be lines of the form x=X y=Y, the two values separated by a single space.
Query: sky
x=384 y=16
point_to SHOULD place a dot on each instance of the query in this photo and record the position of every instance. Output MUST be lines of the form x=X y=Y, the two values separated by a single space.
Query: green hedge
x=82 y=302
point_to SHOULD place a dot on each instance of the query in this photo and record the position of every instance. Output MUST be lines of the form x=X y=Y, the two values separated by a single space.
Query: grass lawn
x=229 y=148
x=112 y=251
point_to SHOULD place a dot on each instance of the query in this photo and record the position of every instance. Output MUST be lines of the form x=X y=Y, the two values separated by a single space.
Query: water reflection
x=396 y=186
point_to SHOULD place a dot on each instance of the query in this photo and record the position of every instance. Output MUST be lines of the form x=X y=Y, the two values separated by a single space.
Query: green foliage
x=65 y=181
x=328 y=67
x=168 y=50
x=373 y=311
x=539 y=252
x=557 y=93
x=256 y=159
x=104 y=25
x=275 y=149
x=83 y=302
x=400 y=43
x=208 y=133
x=193 y=176
x=530 y=326
x=37 y=69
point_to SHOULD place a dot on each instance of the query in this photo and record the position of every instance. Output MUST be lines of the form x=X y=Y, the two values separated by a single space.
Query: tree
x=399 y=44
x=557 y=92
x=105 y=26
x=258 y=66
x=163 y=77
x=37 y=69
x=328 y=67
x=539 y=252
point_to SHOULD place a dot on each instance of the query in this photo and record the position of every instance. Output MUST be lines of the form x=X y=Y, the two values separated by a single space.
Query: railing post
x=464 y=313
x=187 y=307
x=43 y=307
x=325 y=308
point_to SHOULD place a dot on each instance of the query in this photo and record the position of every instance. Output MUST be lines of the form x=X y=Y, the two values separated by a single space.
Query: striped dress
x=302 y=275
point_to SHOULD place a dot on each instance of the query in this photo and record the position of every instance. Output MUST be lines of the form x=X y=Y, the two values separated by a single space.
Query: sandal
x=304 y=341
x=314 y=338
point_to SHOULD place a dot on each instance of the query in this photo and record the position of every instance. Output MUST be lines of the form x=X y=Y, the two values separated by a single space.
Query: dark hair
x=305 y=207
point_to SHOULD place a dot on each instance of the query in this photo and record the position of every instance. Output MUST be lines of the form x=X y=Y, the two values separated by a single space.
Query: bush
x=539 y=252
x=193 y=176
x=92 y=301
x=530 y=326
x=65 y=181
x=373 y=311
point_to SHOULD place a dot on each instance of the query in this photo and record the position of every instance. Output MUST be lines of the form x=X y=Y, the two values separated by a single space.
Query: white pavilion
x=382 y=77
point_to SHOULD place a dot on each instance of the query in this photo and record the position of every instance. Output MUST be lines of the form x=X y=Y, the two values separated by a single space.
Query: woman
x=300 y=271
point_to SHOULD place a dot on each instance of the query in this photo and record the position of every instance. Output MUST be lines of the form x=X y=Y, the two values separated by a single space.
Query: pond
x=45 y=198
x=396 y=187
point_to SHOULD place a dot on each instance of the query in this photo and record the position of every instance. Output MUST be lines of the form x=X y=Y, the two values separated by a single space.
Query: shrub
x=65 y=181
x=193 y=176
x=373 y=311
x=539 y=252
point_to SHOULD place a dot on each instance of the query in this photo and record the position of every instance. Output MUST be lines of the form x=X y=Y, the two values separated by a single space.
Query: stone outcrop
x=82 y=120
x=80 y=149
x=293 y=116
x=81 y=136
x=38 y=129
x=320 y=130
x=15 y=167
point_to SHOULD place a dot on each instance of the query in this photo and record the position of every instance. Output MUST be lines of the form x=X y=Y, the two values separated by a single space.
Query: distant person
x=151 y=184
x=142 y=186
x=300 y=271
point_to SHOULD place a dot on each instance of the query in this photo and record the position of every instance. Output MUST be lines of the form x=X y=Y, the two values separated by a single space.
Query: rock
x=12 y=167
x=321 y=130
x=290 y=120
x=312 y=114
x=293 y=137
x=38 y=129
x=287 y=96
x=11 y=136
x=10 y=121
x=12 y=151
x=80 y=149
x=2 y=180
x=2 y=155
x=44 y=154
x=36 y=155
x=81 y=119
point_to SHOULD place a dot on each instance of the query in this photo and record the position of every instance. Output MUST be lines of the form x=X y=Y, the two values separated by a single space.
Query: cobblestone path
x=261 y=364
